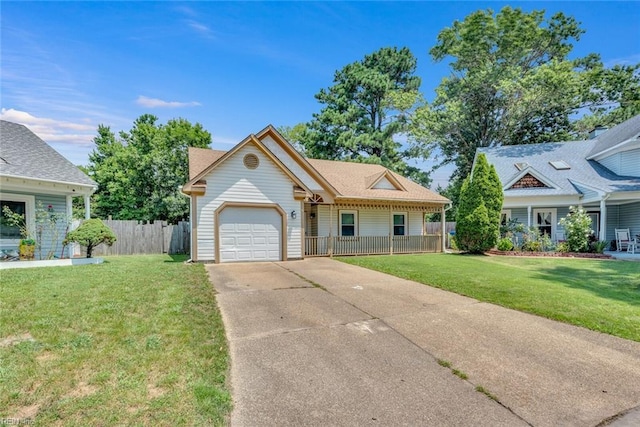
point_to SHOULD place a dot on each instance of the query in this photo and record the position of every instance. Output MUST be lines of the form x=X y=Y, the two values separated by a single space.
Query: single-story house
x=264 y=201
x=32 y=175
x=601 y=174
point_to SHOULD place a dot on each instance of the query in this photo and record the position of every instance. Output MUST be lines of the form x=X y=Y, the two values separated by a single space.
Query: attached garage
x=250 y=234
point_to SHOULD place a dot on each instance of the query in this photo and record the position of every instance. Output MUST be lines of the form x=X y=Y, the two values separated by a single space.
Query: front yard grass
x=137 y=340
x=600 y=295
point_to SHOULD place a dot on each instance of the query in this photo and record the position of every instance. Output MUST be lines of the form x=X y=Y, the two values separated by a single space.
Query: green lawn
x=137 y=340
x=599 y=295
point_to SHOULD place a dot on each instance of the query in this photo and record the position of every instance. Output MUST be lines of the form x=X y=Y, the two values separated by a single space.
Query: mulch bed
x=550 y=254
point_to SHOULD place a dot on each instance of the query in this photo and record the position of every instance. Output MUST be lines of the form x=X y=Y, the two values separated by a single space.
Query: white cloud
x=159 y=103
x=200 y=28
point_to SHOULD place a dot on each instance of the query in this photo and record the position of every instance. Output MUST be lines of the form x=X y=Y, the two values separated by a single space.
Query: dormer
x=383 y=181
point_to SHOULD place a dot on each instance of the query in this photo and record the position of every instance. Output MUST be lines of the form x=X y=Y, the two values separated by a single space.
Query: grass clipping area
x=137 y=340
x=601 y=295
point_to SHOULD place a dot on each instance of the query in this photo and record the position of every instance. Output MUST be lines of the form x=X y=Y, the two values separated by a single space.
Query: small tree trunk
x=89 y=250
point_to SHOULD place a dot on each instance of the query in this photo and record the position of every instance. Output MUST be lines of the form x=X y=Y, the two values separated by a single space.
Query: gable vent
x=521 y=165
x=560 y=165
x=251 y=161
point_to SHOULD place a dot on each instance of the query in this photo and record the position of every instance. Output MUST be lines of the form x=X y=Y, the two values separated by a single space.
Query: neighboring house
x=602 y=174
x=263 y=201
x=33 y=174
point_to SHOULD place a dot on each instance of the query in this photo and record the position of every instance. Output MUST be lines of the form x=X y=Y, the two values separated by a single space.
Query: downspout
x=443 y=225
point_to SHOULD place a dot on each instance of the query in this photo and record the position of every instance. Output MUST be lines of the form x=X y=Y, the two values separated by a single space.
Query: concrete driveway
x=320 y=342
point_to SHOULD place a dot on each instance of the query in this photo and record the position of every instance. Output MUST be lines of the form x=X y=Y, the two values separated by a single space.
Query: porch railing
x=371 y=245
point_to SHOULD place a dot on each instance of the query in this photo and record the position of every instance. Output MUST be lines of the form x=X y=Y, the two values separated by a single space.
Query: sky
x=234 y=67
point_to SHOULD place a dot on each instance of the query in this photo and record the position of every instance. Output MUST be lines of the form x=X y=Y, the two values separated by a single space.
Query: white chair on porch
x=624 y=240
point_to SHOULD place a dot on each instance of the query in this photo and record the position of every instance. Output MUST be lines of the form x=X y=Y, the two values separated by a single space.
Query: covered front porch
x=370 y=228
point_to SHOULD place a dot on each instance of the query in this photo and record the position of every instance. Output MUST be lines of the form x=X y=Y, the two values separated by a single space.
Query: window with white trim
x=399 y=224
x=348 y=223
x=545 y=220
x=18 y=203
x=505 y=217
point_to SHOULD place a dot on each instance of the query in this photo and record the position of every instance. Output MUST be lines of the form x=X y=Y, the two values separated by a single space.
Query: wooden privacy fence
x=156 y=237
x=435 y=227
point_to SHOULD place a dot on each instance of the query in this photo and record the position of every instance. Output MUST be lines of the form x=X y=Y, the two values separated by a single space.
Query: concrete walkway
x=319 y=342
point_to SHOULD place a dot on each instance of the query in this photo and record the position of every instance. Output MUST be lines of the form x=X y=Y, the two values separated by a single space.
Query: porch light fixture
x=293 y=214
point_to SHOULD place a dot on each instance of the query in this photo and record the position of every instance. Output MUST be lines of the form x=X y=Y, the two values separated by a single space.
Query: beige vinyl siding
x=624 y=163
x=416 y=220
x=373 y=222
x=324 y=221
x=291 y=164
x=231 y=181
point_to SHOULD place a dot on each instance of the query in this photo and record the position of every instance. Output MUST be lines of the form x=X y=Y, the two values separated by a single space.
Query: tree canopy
x=364 y=110
x=140 y=171
x=512 y=82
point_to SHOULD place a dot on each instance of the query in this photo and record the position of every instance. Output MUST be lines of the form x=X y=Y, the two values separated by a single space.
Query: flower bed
x=550 y=254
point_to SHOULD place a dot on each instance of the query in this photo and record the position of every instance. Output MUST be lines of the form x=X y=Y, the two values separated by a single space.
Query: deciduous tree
x=139 y=172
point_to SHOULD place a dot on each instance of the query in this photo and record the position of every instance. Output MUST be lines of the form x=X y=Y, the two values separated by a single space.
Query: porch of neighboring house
x=369 y=228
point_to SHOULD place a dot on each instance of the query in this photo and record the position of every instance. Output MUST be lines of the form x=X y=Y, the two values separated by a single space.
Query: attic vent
x=251 y=161
x=521 y=165
x=560 y=165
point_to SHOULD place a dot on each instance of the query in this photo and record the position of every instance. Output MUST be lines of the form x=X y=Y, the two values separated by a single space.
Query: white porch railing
x=371 y=245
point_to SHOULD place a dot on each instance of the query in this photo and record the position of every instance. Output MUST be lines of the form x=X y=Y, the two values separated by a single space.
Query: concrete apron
x=319 y=342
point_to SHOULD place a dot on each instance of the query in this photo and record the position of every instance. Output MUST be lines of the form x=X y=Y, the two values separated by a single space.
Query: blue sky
x=234 y=67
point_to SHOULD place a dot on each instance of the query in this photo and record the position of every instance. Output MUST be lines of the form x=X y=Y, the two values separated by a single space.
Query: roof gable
x=383 y=181
x=25 y=155
x=529 y=178
x=251 y=139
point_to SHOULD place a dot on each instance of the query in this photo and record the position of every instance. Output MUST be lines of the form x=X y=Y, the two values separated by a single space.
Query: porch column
x=87 y=206
x=529 y=216
x=391 y=228
x=603 y=219
x=330 y=242
x=443 y=228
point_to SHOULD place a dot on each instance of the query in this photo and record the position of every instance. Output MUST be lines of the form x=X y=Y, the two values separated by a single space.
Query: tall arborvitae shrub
x=480 y=203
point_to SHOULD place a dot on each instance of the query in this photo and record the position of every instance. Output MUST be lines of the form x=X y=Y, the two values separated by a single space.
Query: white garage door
x=249 y=234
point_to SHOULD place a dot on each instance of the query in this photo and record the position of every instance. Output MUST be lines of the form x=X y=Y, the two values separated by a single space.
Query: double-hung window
x=399 y=224
x=348 y=223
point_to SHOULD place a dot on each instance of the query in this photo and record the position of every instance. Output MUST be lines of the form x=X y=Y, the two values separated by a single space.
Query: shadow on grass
x=613 y=280
x=177 y=258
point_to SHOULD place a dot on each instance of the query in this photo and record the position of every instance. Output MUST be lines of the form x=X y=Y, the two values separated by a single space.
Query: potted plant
x=27 y=249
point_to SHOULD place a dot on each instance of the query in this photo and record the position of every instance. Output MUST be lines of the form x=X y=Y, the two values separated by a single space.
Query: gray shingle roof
x=538 y=156
x=625 y=131
x=24 y=154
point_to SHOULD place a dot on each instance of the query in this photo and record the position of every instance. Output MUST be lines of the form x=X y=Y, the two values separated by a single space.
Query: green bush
x=577 y=226
x=478 y=216
x=505 y=244
x=598 y=247
x=90 y=234
x=562 y=247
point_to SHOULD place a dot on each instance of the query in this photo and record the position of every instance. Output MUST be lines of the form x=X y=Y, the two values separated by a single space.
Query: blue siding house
x=601 y=174
x=32 y=175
